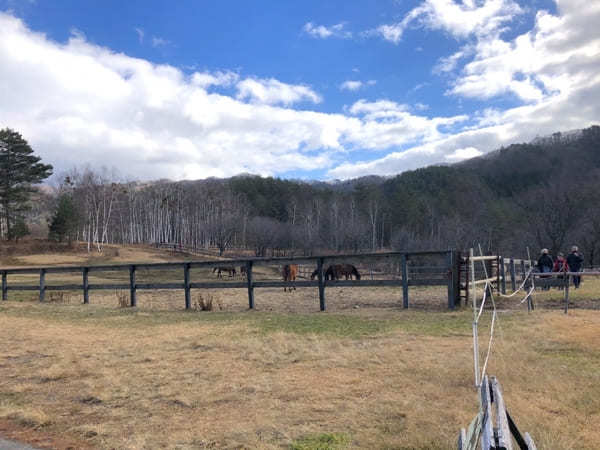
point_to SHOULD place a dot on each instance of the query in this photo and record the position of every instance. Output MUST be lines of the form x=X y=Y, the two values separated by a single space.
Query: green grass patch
x=420 y=323
x=323 y=441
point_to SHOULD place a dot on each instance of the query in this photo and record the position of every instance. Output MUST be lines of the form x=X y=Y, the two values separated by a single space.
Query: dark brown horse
x=337 y=271
x=229 y=269
x=328 y=274
x=289 y=273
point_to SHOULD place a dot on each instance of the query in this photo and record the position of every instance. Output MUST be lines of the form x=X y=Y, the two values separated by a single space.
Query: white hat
x=544 y=251
x=574 y=249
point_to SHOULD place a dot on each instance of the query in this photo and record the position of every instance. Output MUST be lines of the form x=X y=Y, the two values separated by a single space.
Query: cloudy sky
x=307 y=89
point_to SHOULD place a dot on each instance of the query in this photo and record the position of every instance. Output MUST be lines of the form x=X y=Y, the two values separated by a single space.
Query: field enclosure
x=379 y=270
x=366 y=373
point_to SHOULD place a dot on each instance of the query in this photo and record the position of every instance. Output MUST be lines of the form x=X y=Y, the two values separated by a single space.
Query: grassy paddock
x=123 y=378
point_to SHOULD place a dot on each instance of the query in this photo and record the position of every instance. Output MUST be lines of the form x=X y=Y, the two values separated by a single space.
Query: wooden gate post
x=567 y=281
x=322 y=305
x=250 y=285
x=4 y=286
x=186 y=286
x=86 y=285
x=513 y=276
x=522 y=270
x=132 y=287
x=42 y=284
x=404 y=282
x=502 y=275
x=450 y=272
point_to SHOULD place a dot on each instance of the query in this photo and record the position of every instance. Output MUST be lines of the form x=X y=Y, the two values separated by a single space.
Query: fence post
x=132 y=289
x=4 y=286
x=522 y=270
x=513 y=276
x=404 y=281
x=450 y=267
x=322 y=305
x=502 y=275
x=42 y=284
x=186 y=285
x=86 y=286
x=250 y=284
x=567 y=279
x=456 y=276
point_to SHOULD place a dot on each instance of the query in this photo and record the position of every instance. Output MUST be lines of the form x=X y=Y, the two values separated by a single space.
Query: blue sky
x=307 y=89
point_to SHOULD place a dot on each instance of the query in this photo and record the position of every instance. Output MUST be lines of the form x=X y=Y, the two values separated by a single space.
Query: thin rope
x=520 y=287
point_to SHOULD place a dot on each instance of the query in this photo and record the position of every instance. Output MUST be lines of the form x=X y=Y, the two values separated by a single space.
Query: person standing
x=545 y=265
x=575 y=262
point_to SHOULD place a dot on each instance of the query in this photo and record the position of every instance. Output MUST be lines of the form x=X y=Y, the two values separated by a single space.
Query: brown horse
x=229 y=269
x=289 y=273
x=329 y=274
x=337 y=271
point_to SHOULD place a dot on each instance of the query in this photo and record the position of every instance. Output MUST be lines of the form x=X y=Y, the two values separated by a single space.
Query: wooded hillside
x=540 y=194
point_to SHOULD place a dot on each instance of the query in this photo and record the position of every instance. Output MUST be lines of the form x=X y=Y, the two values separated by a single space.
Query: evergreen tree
x=19 y=230
x=19 y=169
x=64 y=221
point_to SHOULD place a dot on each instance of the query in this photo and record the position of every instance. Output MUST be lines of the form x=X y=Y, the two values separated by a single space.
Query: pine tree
x=19 y=169
x=64 y=221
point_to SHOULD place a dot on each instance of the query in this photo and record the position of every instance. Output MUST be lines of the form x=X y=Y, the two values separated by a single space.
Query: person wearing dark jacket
x=575 y=262
x=545 y=262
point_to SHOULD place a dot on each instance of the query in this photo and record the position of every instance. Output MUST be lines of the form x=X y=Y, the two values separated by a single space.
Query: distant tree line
x=542 y=194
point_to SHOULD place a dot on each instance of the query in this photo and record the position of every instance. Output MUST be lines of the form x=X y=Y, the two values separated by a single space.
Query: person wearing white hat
x=575 y=262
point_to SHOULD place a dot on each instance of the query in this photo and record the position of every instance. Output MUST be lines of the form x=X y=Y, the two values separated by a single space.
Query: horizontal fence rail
x=444 y=274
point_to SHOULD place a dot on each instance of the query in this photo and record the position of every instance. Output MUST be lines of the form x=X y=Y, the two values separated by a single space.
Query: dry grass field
x=365 y=374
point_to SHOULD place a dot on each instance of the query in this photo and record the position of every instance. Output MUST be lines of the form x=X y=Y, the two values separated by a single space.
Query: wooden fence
x=443 y=274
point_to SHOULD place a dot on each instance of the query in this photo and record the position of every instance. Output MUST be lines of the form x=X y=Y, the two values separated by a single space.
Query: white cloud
x=77 y=103
x=140 y=33
x=159 y=42
x=459 y=19
x=273 y=92
x=205 y=79
x=351 y=85
x=323 y=32
x=461 y=154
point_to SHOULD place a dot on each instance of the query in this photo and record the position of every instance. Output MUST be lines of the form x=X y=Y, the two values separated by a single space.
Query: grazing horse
x=329 y=274
x=289 y=273
x=242 y=271
x=337 y=271
x=229 y=269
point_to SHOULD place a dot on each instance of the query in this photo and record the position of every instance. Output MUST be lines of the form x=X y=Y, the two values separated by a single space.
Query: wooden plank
x=417 y=282
x=23 y=287
x=529 y=442
x=108 y=286
x=516 y=433
x=65 y=287
x=153 y=286
x=404 y=282
x=485 y=258
x=462 y=439
x=249 y=277
x=486 y=280
x=487 y=430
x=503 y=431
x=220 y=285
